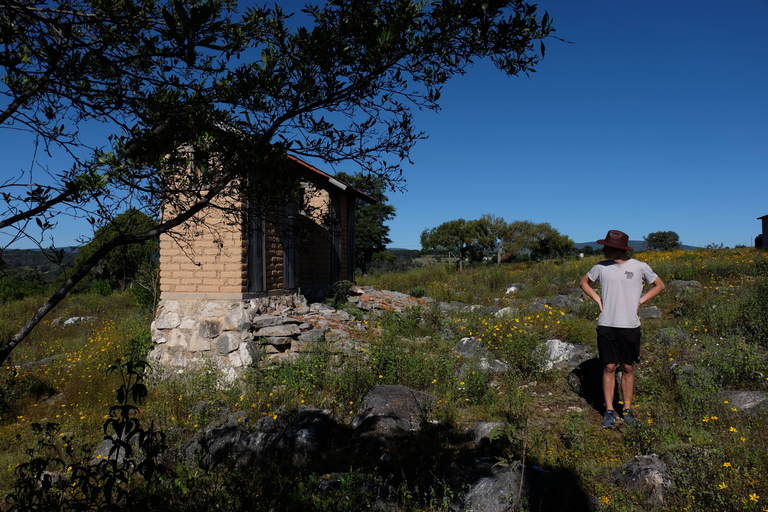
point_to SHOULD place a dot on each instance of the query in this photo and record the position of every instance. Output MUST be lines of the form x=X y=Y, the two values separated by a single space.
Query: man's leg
x=627 y=384
x=609 y=385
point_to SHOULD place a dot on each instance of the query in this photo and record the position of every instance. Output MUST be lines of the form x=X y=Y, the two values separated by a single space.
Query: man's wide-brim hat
x=617 y=239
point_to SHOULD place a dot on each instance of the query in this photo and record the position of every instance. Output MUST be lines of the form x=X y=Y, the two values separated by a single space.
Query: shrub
x=101 y=287
x=18 y=285
x=418 y=291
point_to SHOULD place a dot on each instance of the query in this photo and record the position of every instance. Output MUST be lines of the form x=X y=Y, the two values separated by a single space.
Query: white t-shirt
x=622 y=287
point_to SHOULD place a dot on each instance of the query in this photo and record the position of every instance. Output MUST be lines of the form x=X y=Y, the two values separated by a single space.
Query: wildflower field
x=58 y=399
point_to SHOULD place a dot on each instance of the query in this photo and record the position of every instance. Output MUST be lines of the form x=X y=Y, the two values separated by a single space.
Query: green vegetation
x=492 y=237
x=662 y=241
x=708 y=341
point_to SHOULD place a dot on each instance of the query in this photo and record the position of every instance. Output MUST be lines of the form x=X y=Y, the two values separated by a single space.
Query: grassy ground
x=717 y=455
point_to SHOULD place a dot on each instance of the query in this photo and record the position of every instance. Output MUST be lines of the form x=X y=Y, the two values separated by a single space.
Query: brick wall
x=207 y=258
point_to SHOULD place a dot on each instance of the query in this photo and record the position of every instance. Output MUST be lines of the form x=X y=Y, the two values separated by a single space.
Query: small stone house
x=216 y=282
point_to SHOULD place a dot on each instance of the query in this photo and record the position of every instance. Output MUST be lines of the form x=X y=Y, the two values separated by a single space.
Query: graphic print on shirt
x=629 y=274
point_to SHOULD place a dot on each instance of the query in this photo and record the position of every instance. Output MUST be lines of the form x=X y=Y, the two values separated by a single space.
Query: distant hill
x=34 y=259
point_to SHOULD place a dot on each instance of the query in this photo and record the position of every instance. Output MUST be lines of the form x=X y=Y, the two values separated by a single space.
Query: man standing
x=618 y=326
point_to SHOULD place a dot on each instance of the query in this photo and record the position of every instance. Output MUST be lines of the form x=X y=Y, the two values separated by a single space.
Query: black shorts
x=618 y=345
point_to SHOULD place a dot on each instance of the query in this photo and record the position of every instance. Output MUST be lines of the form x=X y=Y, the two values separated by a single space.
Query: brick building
x=228 y=259
x=223 y=271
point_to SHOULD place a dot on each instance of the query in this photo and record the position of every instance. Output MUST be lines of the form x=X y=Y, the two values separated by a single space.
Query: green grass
x=717 y=456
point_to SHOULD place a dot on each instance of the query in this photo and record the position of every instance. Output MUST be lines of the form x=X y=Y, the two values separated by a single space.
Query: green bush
x=417 y=291
x=101 y=287
x=18 y=285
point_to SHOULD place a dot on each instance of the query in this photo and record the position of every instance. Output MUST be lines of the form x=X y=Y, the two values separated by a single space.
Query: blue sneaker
x=609 y=420
x=629 y=418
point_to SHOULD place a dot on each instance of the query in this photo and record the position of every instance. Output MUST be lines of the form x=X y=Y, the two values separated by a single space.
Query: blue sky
x=655 y=118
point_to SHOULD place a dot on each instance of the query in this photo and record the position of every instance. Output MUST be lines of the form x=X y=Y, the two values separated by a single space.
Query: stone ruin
x=232 y=334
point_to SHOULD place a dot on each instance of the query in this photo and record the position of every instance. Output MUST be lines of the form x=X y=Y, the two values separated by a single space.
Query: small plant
x=418 y=291
x=340 y=294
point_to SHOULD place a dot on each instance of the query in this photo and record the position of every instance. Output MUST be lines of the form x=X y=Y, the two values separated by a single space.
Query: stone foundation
x=228 y=333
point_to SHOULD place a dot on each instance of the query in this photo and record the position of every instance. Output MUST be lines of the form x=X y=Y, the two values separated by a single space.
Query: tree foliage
x=204 y=103
x=466 y=239
x=371 y=232
x=122 y=264
x=662 y=241
x=491 y=235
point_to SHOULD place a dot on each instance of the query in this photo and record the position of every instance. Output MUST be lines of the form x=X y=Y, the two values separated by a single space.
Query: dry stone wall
x=233 y=334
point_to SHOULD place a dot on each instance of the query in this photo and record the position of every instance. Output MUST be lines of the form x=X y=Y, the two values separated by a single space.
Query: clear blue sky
x=654 y=119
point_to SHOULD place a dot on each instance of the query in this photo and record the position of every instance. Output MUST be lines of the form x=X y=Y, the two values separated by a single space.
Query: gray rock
x=312 y=336
x=228 y=342
x=671 y=336
x=338 y=316
x=198 y=343
x=566 y=302
x=470 y=347
x=278 y=330
x=388 y=410
x=495 y=490
x=236 y=320
x=561 y=354
x=678 y=286
x=209 y=328
x=79 y=320
x=168 y=321
x=317 y=307
x=297 y=445
x=481 y=432
x=646 y=474
x=650 y=312
x=261 y=321
x=746 y=402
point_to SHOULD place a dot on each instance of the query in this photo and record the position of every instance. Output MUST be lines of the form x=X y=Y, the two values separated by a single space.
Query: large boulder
x=647 y=475
x=494 y=488
x=561 y=354
x=297 y=445
x=388 y=410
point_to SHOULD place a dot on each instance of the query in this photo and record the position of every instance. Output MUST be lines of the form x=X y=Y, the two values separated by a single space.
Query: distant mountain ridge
x=34 y=259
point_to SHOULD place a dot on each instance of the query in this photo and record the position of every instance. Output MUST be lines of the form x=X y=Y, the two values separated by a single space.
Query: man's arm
x=584 y=283
x=658 y=286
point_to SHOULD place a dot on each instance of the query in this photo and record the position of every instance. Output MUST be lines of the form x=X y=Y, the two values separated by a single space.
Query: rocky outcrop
x=646 y=475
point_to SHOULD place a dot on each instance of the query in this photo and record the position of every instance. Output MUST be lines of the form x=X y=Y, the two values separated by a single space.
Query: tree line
x=491 y=236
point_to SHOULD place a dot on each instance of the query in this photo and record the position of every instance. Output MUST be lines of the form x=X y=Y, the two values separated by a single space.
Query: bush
x=101 y=287
x=18 y=285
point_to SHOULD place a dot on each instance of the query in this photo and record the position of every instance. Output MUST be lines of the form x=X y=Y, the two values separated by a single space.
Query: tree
x=467 y=239
x=194 y=119
x=371 y=234
x=122 y=264
x=662 y=241
x=548 y=241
